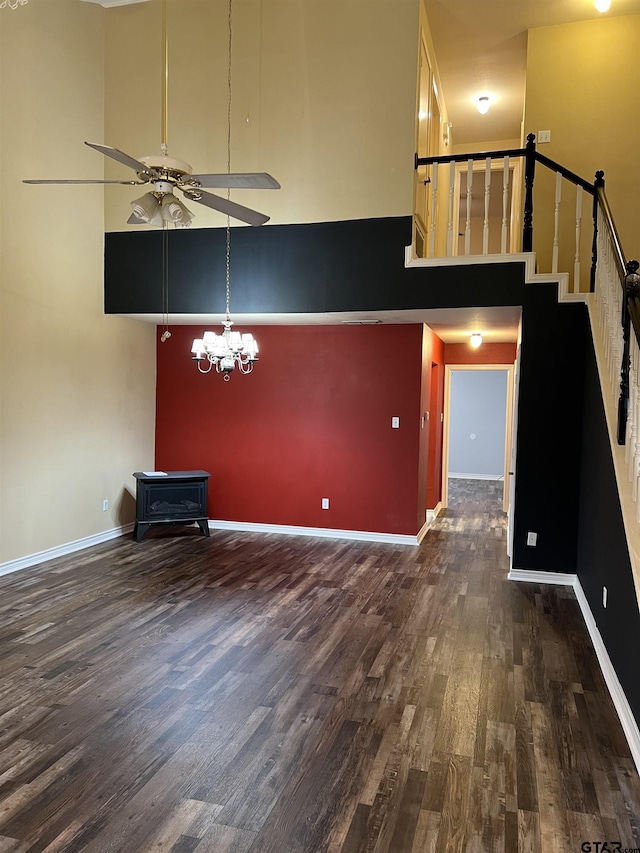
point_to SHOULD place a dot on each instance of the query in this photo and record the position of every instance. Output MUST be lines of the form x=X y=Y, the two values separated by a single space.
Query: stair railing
x=614 y=282
x=444 y=198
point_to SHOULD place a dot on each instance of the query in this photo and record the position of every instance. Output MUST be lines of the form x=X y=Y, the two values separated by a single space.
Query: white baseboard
x=322 y=532
x=625 y=714
x=453 y=476
x=62 y=550
x=531 y=576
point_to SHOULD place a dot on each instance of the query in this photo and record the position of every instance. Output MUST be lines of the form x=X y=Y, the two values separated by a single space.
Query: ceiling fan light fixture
x=146 y=207
x=173 y=210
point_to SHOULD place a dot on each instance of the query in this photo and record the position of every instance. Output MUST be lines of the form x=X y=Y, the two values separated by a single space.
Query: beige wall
x=324 y=95
x=76 y=387
x=583 y=82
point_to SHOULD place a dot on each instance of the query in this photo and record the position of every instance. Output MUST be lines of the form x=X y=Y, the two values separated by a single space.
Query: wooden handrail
x=603 y=205
x=464 y=158
x=566 y=173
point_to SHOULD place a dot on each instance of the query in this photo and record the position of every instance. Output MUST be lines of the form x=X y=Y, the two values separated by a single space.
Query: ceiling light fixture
x=475 y=340
x=603 y=5
x=483 y=103
x=230 y=349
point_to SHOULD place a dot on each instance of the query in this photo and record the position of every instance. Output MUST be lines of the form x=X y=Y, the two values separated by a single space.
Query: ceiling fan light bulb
x=145 y=207
x=174 y=211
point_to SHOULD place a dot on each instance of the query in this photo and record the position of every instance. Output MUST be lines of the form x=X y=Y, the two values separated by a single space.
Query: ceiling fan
x=165 y=174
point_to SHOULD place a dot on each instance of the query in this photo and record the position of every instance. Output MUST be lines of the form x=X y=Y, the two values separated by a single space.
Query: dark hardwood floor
x=277 y=694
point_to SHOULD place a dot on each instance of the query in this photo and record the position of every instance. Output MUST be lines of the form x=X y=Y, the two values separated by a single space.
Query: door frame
x=508 y=427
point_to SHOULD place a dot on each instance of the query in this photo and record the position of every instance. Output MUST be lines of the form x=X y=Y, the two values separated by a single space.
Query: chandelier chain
x=230 y=350
x=228 y=232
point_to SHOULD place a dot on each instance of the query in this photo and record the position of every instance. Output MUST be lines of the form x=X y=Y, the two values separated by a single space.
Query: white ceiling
x=497 y=324
x=481 y=46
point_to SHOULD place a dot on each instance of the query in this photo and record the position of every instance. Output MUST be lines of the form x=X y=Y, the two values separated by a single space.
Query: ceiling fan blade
x=126 y=183
x=245 y=214
x=123 y=158
x=238 y=180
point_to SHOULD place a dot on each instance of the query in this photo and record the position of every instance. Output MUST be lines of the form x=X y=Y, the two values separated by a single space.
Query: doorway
x=478 y=410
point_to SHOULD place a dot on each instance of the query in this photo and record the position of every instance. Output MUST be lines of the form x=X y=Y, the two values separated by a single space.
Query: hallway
x=283 y=694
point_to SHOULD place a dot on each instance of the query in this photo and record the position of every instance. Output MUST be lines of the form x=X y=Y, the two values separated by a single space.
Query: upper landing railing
x=457 y=216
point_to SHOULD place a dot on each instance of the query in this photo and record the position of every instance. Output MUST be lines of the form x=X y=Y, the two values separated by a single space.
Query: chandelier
x=228 y=350
x=13 y=4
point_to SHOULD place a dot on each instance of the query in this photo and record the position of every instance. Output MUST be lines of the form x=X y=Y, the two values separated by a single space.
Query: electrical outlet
x=544 y=136
x=532 y=538
x=604 y=596
x=325 y=503
x=105 y=505
x=395 y=423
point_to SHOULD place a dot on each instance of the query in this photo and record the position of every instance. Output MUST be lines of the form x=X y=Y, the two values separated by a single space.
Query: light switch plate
x=544 y=136
x=395 y=423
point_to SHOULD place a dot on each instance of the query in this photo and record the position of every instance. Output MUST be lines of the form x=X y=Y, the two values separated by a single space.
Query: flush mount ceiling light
x=475 y=340
x=107 y=4
x=603 y=5
x=483 y=103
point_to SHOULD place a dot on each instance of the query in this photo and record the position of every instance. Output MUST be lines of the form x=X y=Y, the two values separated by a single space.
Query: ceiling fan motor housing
x=162 y=163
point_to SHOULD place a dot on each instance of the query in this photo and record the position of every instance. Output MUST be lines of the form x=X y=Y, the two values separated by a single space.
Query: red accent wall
x=313 y=420
x=487 y=353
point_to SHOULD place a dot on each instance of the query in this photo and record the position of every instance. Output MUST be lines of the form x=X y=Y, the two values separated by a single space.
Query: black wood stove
x=171 y=497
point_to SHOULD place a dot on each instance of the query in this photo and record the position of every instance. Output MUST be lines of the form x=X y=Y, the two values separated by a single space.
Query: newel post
x=529 y=175
x=631 y=290
x=597 y=184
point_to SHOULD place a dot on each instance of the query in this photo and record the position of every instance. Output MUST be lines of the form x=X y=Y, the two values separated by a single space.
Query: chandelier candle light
x=229 y=349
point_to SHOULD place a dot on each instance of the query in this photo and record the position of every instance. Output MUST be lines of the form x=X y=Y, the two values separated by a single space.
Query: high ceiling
x=481 y=46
